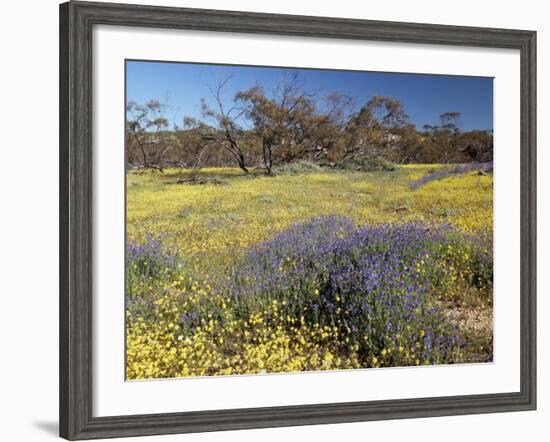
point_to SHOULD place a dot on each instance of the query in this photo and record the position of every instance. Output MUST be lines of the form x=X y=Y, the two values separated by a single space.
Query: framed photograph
x=272 y=220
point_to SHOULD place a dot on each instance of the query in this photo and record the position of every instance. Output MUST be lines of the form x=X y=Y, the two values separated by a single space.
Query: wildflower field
x=317 y=269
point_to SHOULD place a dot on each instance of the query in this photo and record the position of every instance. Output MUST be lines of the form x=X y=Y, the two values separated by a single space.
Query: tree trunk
x=242 y=165
x=266 y=151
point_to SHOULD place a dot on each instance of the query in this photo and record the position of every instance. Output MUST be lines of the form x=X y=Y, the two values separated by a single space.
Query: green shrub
x=300 y=167
x=367 y=163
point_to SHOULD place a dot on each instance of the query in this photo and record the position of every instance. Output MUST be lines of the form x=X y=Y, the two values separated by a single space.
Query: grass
x=206 y=230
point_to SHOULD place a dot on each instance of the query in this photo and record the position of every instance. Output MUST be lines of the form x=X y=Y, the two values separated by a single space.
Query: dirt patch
x=476 y=326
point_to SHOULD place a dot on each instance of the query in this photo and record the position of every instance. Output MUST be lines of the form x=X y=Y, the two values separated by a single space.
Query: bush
x=300 y=167
x=367 y=163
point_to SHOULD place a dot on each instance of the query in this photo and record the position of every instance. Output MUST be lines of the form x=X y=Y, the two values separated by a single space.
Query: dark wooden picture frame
x=77 y=20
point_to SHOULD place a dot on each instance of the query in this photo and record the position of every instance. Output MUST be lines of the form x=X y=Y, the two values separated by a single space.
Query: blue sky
x=424 y=97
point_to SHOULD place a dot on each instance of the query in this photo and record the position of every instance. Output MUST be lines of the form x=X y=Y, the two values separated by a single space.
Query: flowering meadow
x=320 y=270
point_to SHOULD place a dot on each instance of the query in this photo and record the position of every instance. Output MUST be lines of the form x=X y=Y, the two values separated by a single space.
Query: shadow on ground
x=50 y=427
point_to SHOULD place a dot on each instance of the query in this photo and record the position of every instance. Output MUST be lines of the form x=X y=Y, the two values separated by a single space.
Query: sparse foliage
x=147 y=139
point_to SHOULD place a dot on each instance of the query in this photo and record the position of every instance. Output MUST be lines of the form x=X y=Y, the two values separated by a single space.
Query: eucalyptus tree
x=222 y=126
x=147 y=139
x=284 y=121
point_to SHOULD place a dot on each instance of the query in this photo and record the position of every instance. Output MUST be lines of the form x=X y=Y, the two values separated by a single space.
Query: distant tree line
x=265 y=129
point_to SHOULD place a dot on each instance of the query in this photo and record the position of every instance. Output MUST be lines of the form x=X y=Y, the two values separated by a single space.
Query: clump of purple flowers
x=148 y=260
x=455 y=170
x=378 y=285
x=148 y=264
